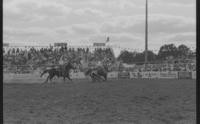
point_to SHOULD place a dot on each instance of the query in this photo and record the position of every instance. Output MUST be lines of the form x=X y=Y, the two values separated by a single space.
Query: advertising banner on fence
x=113 y=74
x=154 y=74
x=185 y=75
x=194 y=75
x=145 y=74
x=23 y=78
x=169 y=75
x=123 y=75
x=77 y=75
x=133 y=75
x=150 y=75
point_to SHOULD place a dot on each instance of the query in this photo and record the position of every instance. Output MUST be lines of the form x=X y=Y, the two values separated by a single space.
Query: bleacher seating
x=18 y=60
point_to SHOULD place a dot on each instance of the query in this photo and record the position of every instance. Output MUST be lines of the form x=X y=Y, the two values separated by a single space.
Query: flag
x=108 y=39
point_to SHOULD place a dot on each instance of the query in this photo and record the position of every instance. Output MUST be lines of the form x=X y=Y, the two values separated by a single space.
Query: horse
x=62 y=71
x=93 y=74
x=99 y=73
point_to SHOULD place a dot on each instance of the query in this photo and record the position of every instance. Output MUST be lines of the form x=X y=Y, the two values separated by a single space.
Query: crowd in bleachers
x=37 y=57
x=31 y=58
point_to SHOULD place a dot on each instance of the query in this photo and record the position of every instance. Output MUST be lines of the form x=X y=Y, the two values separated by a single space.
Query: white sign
x=194 y=75
x=150 y=74
x=169 y=75
x=154 y=74
x=78 y=75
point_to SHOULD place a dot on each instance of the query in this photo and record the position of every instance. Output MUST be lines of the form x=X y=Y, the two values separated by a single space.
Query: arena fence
x=111 y=75
x=78 y=74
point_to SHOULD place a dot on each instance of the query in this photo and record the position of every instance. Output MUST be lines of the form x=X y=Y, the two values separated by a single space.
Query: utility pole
x=146 y=36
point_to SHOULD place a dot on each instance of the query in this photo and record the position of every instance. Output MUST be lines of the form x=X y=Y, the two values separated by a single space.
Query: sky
x=83 y=22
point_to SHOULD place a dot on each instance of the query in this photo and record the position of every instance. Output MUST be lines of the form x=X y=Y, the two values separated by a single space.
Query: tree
x=126 y=57
x=130 y=57
x=140 y=57
x=167 y=50
x=183 y=50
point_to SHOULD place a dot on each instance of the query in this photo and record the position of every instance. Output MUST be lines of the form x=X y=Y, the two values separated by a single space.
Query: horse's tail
x=44 y=72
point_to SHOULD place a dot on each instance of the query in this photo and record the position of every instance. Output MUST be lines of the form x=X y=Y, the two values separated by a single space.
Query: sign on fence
x=77 y=75
x=113 y=74
x=194 y=75
x=169 y=75
x=154 y=75
x=23 y=78
x=150 y=74
x=185 y=75
x=124 y=75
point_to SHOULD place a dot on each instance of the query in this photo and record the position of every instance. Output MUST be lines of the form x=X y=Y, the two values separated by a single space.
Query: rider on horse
x=59 y=71
x=99 y=72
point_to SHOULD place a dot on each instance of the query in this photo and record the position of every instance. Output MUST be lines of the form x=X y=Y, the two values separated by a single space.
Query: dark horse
x=62 y=71
x=99 y=73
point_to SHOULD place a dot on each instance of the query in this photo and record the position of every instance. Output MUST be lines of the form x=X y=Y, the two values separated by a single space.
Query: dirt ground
x=140 y=101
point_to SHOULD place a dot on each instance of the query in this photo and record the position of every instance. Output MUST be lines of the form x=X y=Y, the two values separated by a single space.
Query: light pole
x=146 y=35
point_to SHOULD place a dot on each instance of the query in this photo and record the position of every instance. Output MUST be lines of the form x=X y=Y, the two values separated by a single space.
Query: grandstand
x=37 y=56
x=25 y=59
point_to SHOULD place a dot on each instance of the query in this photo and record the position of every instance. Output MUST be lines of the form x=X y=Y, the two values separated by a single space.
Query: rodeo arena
x=98 y=89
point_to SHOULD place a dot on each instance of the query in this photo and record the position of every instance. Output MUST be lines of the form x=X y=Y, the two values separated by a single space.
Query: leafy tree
x=130 y=57
x=126 y=57
x=183 y=51
x=140 y=57
x=167 y=50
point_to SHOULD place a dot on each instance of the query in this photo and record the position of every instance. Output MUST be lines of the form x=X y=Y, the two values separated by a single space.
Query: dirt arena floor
x=138 y=101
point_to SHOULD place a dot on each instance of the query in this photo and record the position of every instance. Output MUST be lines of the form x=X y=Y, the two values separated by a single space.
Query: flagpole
x=146 y=35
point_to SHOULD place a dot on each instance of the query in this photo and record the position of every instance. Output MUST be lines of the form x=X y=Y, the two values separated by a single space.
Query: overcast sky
x=82 y=22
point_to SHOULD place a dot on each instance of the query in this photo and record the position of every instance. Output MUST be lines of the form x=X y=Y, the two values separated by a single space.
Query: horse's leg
x=47 y=79
x=102 y=78
x=93 y=78
x=68 y=76
x=105 y=77
x=97 y=77
x=42 y=74
x=64 y=78
x=51 y=77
